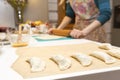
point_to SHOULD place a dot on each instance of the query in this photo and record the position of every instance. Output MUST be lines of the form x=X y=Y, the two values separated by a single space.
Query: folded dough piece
x=114 y=53
x=103 y=56
x=106 y=46
x=63 y=63
x=36 y=64
x=85 y=60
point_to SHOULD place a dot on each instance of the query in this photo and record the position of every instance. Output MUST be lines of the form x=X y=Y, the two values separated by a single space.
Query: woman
x=89 y=16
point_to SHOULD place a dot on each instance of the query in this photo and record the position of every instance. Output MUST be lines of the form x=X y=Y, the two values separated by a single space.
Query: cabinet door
x=61 y=15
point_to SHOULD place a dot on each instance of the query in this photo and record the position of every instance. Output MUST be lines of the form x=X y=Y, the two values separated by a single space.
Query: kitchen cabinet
x=56 y=13
x=61 y=14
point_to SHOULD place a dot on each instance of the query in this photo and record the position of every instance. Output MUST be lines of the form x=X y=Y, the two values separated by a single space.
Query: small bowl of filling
x=19 y=40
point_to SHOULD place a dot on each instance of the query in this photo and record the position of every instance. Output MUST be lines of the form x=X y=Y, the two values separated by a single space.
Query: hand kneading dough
x=114 y=53
x=103 y=56
x=105 y=46
x=36 y=64
x=85 y=60
x=63 y=63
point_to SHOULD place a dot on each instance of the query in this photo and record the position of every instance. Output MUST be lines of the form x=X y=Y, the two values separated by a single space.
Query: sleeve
x=105 y=10
x=69 y=11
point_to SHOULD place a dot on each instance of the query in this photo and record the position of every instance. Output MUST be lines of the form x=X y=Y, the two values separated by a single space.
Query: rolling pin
x=65 y=33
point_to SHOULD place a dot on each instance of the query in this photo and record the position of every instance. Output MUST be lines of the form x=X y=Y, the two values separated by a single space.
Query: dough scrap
x=63 y=62
x=114 y=53
x=36 y=64
x=103 y=56
x=84 y=59
x=106 y=46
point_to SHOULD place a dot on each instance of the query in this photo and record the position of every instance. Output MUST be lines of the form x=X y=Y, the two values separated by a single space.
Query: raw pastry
x=103 y=56
x=85 y=60
x=36 y=64
x=114 y=53
x=63 y=63
x=105 y=46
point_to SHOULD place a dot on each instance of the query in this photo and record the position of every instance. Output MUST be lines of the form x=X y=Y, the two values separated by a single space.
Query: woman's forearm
x=64 y=22
x=94 y=25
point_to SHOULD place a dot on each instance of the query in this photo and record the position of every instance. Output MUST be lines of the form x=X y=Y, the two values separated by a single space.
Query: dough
x=85 y=60
x=114 y=53
x=105 y=46
x=103 y=56
x=47 y=36
x=36 y=64
x=63 y=63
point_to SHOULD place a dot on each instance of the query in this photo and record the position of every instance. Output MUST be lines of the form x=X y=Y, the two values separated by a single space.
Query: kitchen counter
x=8 y=57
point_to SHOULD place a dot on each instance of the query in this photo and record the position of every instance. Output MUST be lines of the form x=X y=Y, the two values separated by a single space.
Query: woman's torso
x=86 y=12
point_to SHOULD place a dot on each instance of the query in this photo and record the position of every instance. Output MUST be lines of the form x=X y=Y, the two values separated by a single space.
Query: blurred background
x=48 y=11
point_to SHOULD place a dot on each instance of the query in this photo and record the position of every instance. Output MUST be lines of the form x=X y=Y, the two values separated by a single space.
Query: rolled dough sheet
x=47 y=37
x=23 y=68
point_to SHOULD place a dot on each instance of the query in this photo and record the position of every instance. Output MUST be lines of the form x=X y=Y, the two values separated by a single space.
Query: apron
x=86 y=12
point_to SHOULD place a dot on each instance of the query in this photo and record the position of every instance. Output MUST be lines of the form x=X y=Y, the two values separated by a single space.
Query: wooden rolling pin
x=61 y=32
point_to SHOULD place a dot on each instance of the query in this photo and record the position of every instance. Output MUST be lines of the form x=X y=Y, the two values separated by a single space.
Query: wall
x=53 y=11
x=115 y=39
x=116 y=2
x=6 y=14
x=36 y=10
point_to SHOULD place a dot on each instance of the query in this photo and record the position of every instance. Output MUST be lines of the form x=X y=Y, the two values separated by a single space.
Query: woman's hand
x=86 y=31
x=50 y=30
x=75 y=33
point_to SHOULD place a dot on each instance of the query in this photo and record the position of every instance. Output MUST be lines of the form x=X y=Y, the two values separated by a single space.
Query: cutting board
x=23 y=67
